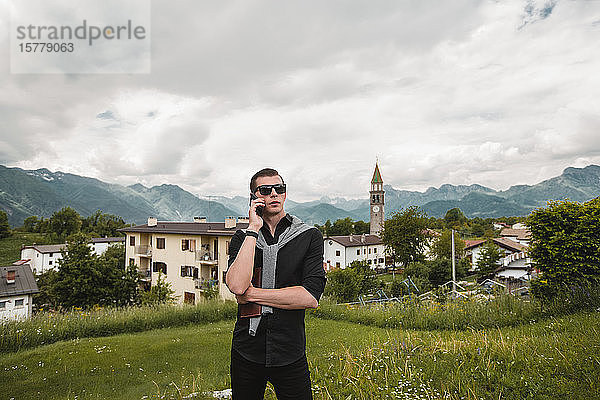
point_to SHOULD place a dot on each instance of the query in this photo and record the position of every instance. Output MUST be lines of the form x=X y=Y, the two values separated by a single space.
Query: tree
x=159 y=293
x=367 y=276
x=31 y=224
x=65 y=222
x=489 y=256
x=4 y=226
x=85 y=279
x=342 y=227
x=361 y=227
x=121 y=284
x=405 y=233
x=103 y=225
x=440 y=270
x=442 y=246
x=565 y=246
x=454 y=218
x=343 y=284
x=79 y=282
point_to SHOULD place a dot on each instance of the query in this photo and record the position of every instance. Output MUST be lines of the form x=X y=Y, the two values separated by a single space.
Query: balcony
x=146 y=275
x=204 y=257
x=143 y=250
x=204 y=284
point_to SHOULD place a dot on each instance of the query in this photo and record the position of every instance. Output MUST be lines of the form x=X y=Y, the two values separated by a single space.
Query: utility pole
x=453 y=264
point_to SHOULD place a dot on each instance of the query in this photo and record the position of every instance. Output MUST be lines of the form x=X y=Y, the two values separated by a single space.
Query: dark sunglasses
x=265 y=190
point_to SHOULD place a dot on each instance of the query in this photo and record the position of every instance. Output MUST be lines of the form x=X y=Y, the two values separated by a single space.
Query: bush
x=343 y=285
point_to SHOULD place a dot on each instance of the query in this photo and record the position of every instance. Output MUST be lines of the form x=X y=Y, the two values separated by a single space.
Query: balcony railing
x=146 y=274
x=143 y=250
x=205 y=256
x=205 y=284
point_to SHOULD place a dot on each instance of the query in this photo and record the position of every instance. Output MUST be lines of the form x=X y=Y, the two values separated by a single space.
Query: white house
x=17 y=286
x=341 y=251
x=507 y=247
x=99 y=245
x=522 y=236
x=43 y=257
x=515 y=266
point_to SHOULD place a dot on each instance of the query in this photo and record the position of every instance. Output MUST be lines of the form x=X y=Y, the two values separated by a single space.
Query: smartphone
x=259 y=209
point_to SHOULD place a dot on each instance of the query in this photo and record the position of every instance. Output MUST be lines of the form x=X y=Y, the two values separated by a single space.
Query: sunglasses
x=265 y=190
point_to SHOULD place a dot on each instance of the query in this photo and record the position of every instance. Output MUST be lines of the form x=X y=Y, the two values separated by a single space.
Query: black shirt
x=280 y=338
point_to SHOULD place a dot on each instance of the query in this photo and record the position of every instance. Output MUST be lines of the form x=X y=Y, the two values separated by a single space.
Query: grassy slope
x=10 y=247
x=551 y=359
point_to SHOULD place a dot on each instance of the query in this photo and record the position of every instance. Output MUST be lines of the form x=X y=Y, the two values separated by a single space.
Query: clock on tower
x=377 y=202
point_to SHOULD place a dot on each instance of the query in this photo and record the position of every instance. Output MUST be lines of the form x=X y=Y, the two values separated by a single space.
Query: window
x=185 y=245
x=10 y=276
x=337 y=264
x=187 y=270
x=337 y=253
x=358 y=252
x=19 y=303
x=50 y=262
x=369 y=251
x=381 y=261
x=189 y=298
x=216 y=249
x=160 y=243
x=375 y=250
x=364 y=251
x=132 y=240
x=2 y=305
x=50 y=254
x=131 y=261
x=369 y=261
x=159 y=267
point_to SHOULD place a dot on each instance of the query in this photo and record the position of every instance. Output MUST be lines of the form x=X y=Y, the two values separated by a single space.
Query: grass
x=10 y=247
x=556 y=358
x=425 y=315
x=46 y=328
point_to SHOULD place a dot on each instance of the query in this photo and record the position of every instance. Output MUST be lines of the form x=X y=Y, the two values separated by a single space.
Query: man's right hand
x=255 y=222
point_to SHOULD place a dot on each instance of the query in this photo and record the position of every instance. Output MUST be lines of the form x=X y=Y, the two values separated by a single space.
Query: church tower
x=377 y=202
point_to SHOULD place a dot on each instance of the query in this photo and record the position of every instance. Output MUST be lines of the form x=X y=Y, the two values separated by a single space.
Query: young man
x=271 y=346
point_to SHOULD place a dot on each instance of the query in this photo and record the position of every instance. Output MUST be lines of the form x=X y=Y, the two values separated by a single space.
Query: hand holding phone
x=259 y=209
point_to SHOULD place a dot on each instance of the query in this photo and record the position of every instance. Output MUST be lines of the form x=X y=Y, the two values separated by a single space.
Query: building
x=99 y=245
x=377 y=202
x=192 y=256
x=341 y=251
x=42 y=257
x=522 y=235
x=507 y=247
x=17 y=287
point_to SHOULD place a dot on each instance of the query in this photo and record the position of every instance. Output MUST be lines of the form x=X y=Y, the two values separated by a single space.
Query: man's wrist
x=254 y=228
x=252 y=233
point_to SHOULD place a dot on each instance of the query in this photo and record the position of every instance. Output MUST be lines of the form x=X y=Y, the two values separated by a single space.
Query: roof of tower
x=376 y=175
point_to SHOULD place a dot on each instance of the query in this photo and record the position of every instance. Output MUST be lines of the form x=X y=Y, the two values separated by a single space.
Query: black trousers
x=249 y=380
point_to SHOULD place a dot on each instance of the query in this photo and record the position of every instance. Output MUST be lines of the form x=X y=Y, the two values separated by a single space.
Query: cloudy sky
x=464 y=91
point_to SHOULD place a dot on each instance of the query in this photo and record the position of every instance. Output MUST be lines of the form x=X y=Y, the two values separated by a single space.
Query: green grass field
x=550 y=359
x=10 y=247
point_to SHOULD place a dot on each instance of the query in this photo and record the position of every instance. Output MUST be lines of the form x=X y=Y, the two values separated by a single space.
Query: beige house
x=191 y=255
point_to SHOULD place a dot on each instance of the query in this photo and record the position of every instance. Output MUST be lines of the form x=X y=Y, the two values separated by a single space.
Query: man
x=271 y=346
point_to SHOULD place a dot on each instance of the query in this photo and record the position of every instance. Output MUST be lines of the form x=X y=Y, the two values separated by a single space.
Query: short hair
x=261 y=173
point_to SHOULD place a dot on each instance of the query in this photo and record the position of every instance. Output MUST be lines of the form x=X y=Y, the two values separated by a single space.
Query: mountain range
x=41 y=192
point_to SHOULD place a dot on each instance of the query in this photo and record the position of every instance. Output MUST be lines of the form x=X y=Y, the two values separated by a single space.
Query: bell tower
x=376 y=202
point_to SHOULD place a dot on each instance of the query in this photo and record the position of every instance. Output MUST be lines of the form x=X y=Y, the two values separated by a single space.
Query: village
x=191 y=257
